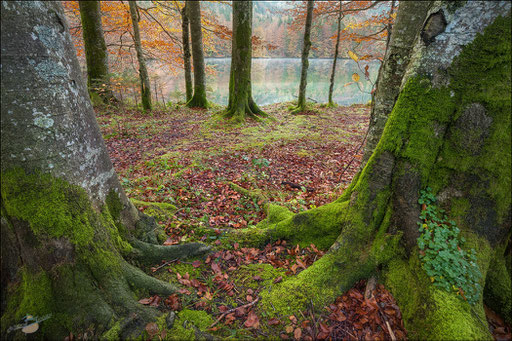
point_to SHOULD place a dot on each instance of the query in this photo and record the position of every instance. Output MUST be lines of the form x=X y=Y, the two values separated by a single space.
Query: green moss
x=498 y=288
x=113 y=333
x=319 y=226
x=243 y=277
x=114 y=205
x=188 y=325
x=52 y=206
x=429 y=312
x=159 y=210
x=385 y=246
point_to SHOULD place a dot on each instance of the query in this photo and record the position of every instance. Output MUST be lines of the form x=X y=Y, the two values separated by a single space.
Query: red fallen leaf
x=152 y=329
x=324 y=328
x=145 y=301
x=155 y=301
x=196 y=263
x=389 y=311
x=273 y=321
x=229 y=318
x=184 y=292
x=297 y=333
x=294 y=268
x=249 y=298
x=250 y=291
x=216 y=268
x=235 y=246
x=301 y=263
x=223 y=308
x=284 y=336
x=217 y=242
x=293 y=319
x=252 y=320
x=257 y=278
x=278 y=279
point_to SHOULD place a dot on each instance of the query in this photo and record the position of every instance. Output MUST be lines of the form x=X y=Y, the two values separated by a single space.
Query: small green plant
x=442 y=257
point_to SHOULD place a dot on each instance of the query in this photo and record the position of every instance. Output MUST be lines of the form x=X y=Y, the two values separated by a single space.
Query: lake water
x=277 y=80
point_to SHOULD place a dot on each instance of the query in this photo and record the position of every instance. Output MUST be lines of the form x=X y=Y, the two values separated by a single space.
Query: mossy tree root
x=147 y=253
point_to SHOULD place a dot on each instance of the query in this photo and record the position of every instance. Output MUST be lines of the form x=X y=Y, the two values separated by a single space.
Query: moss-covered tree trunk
x=96 y=54
x=409 y=22
x=194 y=14
x=335 y=58
x=301 y=101
x=145 y=85
x=450 y=130
x=66 y=224
x=241 y=103
x=185 y=37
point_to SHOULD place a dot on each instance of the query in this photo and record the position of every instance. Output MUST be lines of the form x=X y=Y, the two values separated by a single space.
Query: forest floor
x=200 y=165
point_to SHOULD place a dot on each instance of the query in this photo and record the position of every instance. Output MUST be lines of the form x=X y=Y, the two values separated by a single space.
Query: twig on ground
x=232 y=310
x=162 y=265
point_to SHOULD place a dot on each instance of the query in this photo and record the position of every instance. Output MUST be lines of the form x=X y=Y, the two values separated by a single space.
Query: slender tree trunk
x=241 y=103
x=450 y=130
x=96 y=55
x=66 y=224
x=194 y=14
x=145 y=87
x=336 y=49
x=186 y=52
x=301 y=101
x=409 y=22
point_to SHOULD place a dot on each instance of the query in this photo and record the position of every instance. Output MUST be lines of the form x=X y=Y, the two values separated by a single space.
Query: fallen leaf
x=152 y=329
x=252 y=320
x=297 y=333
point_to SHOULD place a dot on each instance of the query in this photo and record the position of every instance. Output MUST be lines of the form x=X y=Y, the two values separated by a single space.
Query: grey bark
x=336 y=50
x=194 y=15
x=186 y=52
x=301 y=102
x=145 y=87
x=409 y=21
x=96 y=55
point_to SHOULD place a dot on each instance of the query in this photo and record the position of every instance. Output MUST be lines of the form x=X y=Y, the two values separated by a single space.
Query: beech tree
x=145 y=87
x=446 y=146
x=336 y=51
x=409 y=22
x=96 y=55
x=241 y=103
x=301 y=101
x=67 y=228
x=194 y=14
x=186 y=52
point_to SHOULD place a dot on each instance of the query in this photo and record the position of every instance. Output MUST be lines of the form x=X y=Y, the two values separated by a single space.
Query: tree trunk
x=241 y=103
x=301 y=101
x=450 y=131
x=194 y=14
x=145 y=88
x=66 y=224
x=96 y=55
x=186 y=52
x=336 y=49
x=409 y=21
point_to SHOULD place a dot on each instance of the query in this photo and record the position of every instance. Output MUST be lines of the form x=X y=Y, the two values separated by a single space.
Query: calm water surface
x=277 y=80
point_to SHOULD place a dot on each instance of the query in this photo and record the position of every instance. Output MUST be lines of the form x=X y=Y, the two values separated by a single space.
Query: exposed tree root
x=150 y=253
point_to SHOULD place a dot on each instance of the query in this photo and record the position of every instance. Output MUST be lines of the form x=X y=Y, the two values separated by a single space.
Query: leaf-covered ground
x=187 y=158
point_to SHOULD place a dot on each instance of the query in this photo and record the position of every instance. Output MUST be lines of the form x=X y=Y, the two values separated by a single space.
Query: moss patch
x=189 y=324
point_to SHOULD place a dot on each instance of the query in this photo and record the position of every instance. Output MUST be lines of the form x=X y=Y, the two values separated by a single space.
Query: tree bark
x=66 y=224
x=336 y=49
x=241 y=103
x=186 y=52
x=145 y=87
x=301 y=101
x=450 y=130
x=194 y=14
x=96 y=55
x=409 y=21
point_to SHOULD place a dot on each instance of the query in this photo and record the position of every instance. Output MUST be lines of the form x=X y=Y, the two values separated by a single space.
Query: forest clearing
x=160 y=183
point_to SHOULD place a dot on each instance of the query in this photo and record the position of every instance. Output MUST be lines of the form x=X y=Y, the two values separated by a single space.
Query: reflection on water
x=277 y=80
